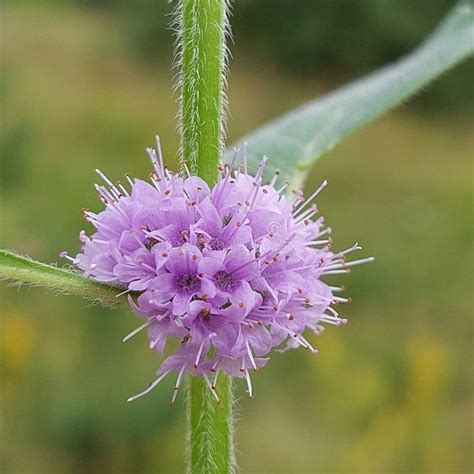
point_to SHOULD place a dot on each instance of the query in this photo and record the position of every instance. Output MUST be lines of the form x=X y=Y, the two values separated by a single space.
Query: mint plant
x=224 y=256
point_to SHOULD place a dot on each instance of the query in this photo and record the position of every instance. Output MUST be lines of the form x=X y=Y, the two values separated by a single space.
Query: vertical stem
x=201 y=27
x=210 y=432
x=202 y=30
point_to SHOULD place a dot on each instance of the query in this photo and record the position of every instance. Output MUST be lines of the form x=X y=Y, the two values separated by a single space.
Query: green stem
x=210 y=431
x=202 y=28
x=24 y=270
x=202 y=31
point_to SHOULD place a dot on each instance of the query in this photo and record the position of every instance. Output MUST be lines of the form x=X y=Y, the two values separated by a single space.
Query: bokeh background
x=87 y=84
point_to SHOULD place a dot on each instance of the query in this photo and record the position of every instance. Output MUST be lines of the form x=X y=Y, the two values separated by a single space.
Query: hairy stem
x=23 y=270
x=210 y=432
x=202 y=26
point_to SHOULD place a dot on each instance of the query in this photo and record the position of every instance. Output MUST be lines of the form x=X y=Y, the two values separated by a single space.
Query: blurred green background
x=87 y=84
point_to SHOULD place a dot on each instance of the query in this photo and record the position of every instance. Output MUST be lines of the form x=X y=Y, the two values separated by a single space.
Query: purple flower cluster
x=231 y=272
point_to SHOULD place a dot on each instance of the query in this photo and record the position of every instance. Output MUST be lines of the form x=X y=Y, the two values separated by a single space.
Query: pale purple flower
x=231 y=272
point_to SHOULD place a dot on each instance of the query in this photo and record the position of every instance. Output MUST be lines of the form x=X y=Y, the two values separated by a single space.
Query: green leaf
x=23 y=270
x=295 y=140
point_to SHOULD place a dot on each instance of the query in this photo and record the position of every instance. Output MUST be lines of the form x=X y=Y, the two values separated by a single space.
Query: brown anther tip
x=264 y=191
x=275 y=258
x=194 y=258
x=241 y=305
x=204 y=296
x=349 y=300
x=232 y=181
x=206 y=310
x=238 y=223
x=251 y=326
x=307 y=301
x=199 y=188
x=254 y=184
x=291 y=317
x=242 y=370
x=212 y=370
x=306 y=222
x=164 y=254
x=167 y=192
x=200 y=274
x=300 y=290
x=195 y=366
x=247 y=203
x=213 y=387
x=275 y=308
x=176 y=388
x=181 y=252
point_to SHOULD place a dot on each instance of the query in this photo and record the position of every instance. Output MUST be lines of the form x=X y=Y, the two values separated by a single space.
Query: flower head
x=231 y=272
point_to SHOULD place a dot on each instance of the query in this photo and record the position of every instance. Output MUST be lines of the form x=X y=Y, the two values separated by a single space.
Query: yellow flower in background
x=16 y=341
x=428 y=372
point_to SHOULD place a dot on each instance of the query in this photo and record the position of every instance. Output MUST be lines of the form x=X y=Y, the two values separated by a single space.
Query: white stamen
x=249 y=383
x=178 y=383
x=321 y=187
x=186 y=169
x=336 y=272
x=136 y=331
x=122 y=293
x=340 y=299
x=308 y=345
x=160 y=153
x=107 y=180
x=359 y=262
x=274 y=179
x=213 y=391
x=150 y=387
x=249 y=352
x=214 y=382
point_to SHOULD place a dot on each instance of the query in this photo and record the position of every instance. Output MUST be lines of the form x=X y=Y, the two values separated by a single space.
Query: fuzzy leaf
x=23 y=270
x=296 y=139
